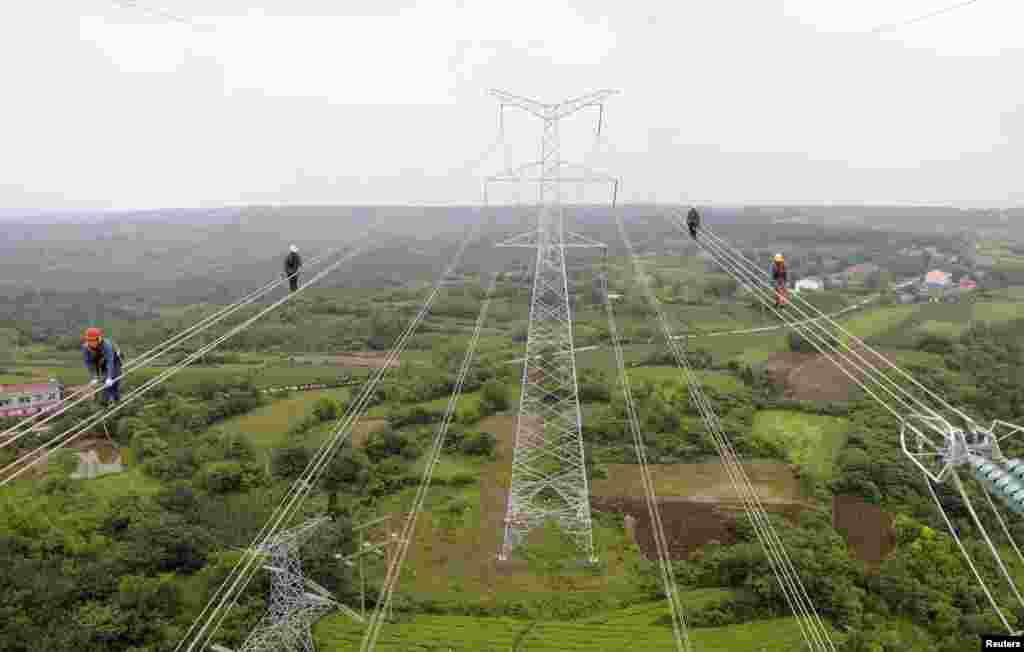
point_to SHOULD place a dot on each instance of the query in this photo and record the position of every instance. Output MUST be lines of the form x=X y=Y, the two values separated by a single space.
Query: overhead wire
x=917 y=19
x=717 y=244
x=860 y=342
x=679 y=629
x=813 y=630
x=82 y=394
x=61 y=440
x=212 y=617
x=817 y=336
x=373 y=629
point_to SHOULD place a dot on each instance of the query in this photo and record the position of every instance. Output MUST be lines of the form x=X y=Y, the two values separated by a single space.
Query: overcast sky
x=303 y=101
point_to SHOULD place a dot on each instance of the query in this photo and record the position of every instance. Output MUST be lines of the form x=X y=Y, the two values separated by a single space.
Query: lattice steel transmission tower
x=549 y=479
x=295 y=602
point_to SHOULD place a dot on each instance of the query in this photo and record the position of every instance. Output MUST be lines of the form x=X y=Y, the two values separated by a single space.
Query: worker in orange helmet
x=102 y=358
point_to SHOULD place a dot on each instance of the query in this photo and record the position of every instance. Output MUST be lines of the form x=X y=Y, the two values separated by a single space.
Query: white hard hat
x=293 y=249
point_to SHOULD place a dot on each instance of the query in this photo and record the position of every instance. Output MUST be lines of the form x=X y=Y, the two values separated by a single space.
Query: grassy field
x=771 y=480
x=267 y=427
x=262 y=376
x=721 y=381
x=879 y=320
x=477 y=634
x=810 y=440
x=1000 y=311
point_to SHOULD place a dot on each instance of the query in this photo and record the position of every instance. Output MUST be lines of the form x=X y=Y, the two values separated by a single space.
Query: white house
x=811 y=284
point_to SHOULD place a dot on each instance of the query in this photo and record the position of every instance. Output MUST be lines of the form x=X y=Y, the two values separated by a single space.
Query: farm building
x=937 y=279
x=812 y=284
x=26 y=400
x=858 y=274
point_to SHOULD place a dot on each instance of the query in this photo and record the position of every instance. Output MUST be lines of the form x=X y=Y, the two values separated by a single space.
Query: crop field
x=809 y=440
x=481 y=634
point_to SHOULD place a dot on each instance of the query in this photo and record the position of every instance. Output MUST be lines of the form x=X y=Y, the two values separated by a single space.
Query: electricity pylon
x=295 y=602
x=549 y=479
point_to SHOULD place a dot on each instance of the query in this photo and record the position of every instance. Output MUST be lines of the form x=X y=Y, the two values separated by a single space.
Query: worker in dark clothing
x=779 y=275
x=102 y=360
x=693 y=221
x=291 y=267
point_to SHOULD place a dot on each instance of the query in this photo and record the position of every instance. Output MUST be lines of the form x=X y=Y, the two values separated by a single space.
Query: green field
x=480 y=634
x=878 y=320
x=810 y=440
x=998 y=311
x=723 y=382
x=267 y=427
x=189 y=377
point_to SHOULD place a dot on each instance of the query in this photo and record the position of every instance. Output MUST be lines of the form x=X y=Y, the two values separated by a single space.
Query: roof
x=863 y=268
x=29 y=388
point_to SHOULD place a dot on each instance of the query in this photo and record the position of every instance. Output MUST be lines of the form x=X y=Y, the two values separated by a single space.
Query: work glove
x=108 y=383
x=93 y=382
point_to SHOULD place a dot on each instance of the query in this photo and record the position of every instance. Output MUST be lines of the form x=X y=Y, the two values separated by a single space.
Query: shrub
x=493 y=398
x=479 y=443
x=461 y=480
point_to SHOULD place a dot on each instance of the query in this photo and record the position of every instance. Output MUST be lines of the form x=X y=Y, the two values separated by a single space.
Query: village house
x=808 y=284
x=937 y=280
x=29 y=399
x=858 y=274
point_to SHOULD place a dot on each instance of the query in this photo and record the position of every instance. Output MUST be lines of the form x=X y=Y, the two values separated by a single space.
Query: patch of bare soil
x=701 y=482
x=689 y=524
x=363 y=428
x=869 y=530
x=810 y=377
x=106 y=451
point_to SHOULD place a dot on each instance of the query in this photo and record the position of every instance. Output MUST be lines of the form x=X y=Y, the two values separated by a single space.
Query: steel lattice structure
x=295 y=603
x=548 y=470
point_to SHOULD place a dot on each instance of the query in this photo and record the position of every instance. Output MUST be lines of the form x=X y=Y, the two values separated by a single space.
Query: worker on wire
x=779 y=275
x=693 y=222
x=103 y=359
x=292 y=263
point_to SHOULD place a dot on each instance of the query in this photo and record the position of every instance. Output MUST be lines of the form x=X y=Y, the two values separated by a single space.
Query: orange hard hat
x=93 y=334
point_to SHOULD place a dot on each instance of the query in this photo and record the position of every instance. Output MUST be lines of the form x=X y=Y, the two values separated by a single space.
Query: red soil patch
x=689 y=524
x=869 y=530
x=810 y=377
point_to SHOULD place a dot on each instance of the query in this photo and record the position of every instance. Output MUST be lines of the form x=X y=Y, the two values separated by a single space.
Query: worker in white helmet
x=292 y=263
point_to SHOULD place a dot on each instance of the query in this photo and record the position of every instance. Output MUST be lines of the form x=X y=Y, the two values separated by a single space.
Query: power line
x=160 y=13
x=918 y=19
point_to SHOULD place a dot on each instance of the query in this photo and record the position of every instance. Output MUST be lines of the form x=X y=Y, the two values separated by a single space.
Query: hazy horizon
x=792 y=101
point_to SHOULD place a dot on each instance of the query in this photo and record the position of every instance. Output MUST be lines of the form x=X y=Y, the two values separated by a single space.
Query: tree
x=289 y=463
x=479 y=443
x=493 y=397
x=348 y=470
x=326 y=409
